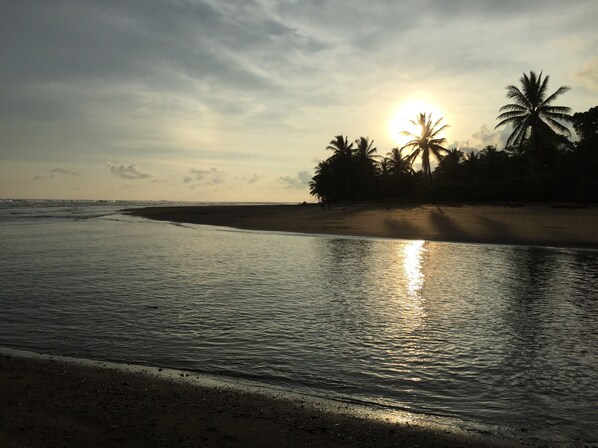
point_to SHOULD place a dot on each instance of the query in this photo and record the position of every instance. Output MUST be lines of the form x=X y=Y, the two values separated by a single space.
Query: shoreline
x=53 y=401
x=532 y=225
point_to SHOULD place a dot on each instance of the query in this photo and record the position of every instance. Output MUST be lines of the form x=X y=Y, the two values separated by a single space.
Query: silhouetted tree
x=342 y=161
x=535 y=121
x=586 y=127
x=450 y=165
x=398 y=163
x=322 y=184
x=584 y=163
x=365 y=159
x=427 y=143
x=399 y=178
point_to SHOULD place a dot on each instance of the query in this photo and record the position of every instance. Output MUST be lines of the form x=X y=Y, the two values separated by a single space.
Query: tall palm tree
x=342 y=161
x=532 y=116
x=341 y=147
x=365 y=151
x=428 y=143
x=364 y=154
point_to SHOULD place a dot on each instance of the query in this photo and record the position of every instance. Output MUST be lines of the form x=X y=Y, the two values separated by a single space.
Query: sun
x=408 y=110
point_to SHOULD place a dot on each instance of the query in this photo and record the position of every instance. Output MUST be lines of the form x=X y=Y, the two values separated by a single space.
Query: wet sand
x=542 y=225
x=53 y=403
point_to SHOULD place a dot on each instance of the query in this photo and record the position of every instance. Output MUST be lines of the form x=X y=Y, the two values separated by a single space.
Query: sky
x=213 y=100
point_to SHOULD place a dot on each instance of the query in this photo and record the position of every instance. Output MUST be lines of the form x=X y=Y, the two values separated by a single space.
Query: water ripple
x=491 y=334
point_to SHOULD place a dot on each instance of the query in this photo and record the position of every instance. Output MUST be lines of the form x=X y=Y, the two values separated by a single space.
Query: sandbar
x=557 y=225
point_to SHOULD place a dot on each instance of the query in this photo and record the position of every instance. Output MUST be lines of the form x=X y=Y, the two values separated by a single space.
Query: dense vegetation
x=540 y=162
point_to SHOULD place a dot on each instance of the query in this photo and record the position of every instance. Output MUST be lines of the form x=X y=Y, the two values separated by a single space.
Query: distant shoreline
x=536 y=225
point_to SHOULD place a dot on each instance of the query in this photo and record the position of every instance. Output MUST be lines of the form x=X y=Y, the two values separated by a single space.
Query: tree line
x=539 y=162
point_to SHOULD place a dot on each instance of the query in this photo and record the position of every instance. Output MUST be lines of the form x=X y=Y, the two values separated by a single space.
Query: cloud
x=128 y=171
x=299 y=182
x=256 y=178
x=63 y=172
x=262 y=83
x=205 y=177
x=588 y=75
x=482 y=138
x=56 y=172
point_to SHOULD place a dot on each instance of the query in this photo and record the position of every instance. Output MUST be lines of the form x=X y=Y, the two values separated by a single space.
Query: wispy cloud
x=210 y=176
x=255 y=178
x=128 y=171
x=56 y=173
x=588 y=75
x=299 y=182
x=63 y=172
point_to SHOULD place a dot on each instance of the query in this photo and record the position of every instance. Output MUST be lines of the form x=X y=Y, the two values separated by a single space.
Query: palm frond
x=518 y=133
x=510 y=120
x=515 y=94
x=556 y=116
x=558 y=126
x=531 y=111
x=438 y=131
x=556 y=94
x=513 y=114
x=556 y=110
x=512 y=107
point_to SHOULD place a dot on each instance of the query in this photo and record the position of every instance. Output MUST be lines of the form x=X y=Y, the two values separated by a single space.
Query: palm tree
x=450 y=165
x=341 y=147
x=472 y=163
x=321 y=186
x=365 y=158
x=532 y=116
x=398 y=163
x=342 y=165
x=428 y=143
x=454 y=157
x=384 y=167
x=364 y=151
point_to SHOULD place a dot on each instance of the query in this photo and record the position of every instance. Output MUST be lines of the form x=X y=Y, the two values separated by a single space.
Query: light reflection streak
x=411 y=314
x=412 y=266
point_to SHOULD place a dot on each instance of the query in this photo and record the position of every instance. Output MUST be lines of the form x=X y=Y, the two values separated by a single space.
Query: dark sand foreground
x=50 y=403
x=542 y=225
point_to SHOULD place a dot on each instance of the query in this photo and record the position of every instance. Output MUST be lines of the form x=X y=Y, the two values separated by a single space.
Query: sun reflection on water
x=412 y=266
x=411 y=314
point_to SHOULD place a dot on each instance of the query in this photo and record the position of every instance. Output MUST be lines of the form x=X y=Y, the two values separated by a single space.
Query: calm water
x=494 y=335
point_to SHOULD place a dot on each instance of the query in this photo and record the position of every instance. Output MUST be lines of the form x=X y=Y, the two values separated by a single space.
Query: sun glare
x=409 y=110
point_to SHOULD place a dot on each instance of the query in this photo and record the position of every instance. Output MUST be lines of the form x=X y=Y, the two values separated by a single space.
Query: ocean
x=503 y=338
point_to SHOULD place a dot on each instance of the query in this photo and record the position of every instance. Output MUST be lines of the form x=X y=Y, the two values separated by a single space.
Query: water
x=496 y=335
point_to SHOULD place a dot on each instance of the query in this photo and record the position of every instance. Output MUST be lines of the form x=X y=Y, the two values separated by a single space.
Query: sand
x=54 y=403
x=541 y=225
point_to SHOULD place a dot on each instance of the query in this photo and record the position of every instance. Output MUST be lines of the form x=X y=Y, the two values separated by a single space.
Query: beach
x=558 y=225
x=53 y=402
